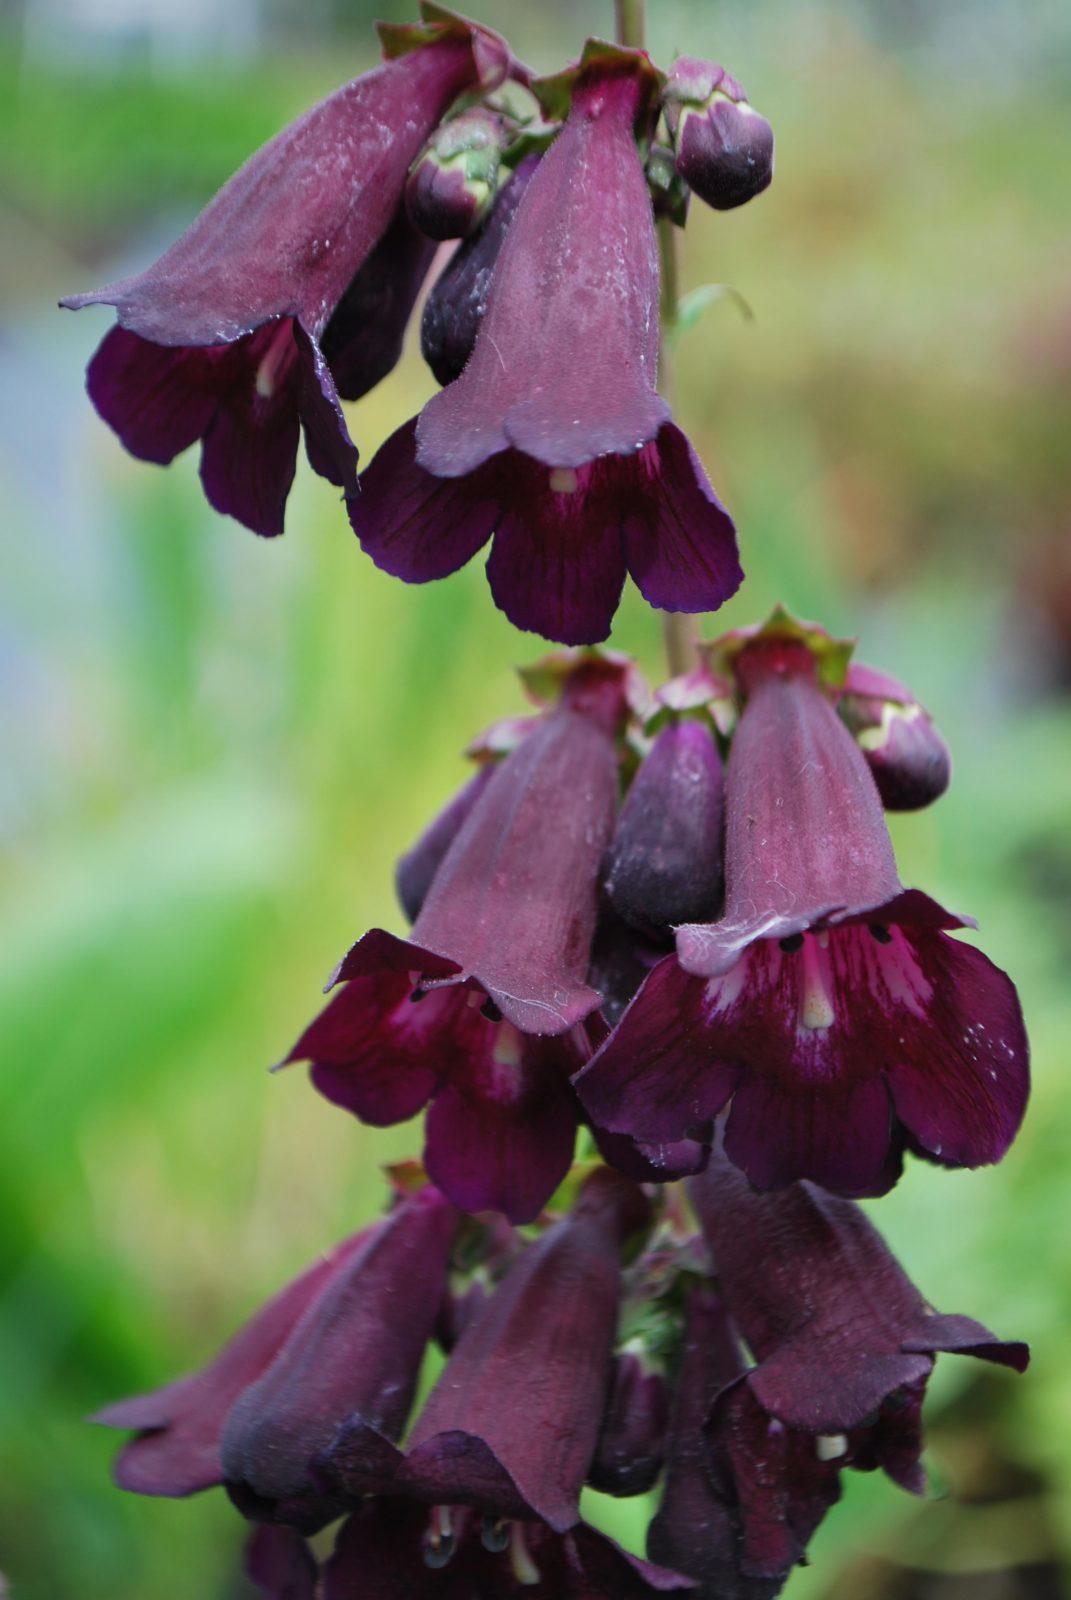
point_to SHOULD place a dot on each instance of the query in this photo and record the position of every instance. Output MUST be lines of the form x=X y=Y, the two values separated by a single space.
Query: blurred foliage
x=217 y=748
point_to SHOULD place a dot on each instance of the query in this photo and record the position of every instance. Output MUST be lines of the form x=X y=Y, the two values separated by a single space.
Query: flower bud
x=725 y=149
x=458 y=298
x=909 y=760
x=628 y=1456
x=664 y=865
x=452 y=183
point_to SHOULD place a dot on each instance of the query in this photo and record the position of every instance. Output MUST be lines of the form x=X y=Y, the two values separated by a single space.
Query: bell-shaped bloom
x=341 y=1344
x=481 y=1012
x=724 y=149
x=844 y=1345
x=415 y=871
x=632 y=1436
x=828 y=1004
x=511 y=1427
x=664 y=864
x=910 y=762
x=457 y=300
x=697 y=1528
x=220 y=340
x=387 y=1551
x=554 y=440
x=452 y=184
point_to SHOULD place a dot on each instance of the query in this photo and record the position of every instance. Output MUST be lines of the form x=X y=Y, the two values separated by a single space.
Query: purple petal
x=604 y=1571
x=514 y=901
x=379 y=1555
x=281 y=1564
x=158 y=400
x=500 y=1134
x=416 y=870
x=249 y=454
x=958 y=1069
x=414 y=526
x=566 y=356
x=328 y=445
x=680 y=542
x=656 y=1078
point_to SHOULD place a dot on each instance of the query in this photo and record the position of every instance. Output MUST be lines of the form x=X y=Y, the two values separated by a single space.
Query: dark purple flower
x=725 y=150
x=510 y=1428
x=910 y=761
x=697 y=1528
x=458 y=297
x=452 y=183
x=828 y=1004
x=664 y=864
x=342 y=1344
x=388 y=1552
x=220 y=340
x=417 y=868
x=844 y=1345
x=554 y=439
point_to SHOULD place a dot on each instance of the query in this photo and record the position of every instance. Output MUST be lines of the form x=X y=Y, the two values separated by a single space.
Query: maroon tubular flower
x=697 y=1527
x=220 y=339
x=176 y=1451
x=725 y=150
x=384 y=1553
x=909 y=760
x=829 y=1004
x=510 y=1429
x=353 y=1360
x=664 y=866
x=554 y=439
x=844 y=1344
x=458 y=298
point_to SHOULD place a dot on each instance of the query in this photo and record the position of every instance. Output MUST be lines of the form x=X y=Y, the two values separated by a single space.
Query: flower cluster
x=606 y=1349
x=291 y=293
x=730 y=933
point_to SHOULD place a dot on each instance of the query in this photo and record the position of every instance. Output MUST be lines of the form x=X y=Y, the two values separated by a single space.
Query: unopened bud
x=724 y=148
x=907 y=756
x=632 y=1439
x=452 y=182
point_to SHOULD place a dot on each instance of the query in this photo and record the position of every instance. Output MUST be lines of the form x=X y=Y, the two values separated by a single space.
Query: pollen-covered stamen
x=520 y=1558
x=831 y=1446
x=816 y=986
x=564 y=480
x=439 y=1541
x=880 y=932
x=495 y=1534
x=278 y=358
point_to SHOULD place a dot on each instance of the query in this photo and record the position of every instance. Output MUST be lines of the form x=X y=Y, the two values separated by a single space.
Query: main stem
x=680 y=629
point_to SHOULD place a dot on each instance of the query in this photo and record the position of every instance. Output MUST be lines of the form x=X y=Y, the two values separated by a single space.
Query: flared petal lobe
x=566 y=356
x=353 y=1360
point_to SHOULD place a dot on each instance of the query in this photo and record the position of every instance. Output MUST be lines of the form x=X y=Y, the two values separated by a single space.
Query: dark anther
x=418 y=994
x=793 y=943
x=490 y=1011
x=880 y=933
x=494 y=1535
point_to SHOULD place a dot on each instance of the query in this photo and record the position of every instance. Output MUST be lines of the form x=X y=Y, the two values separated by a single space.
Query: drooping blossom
x=910 y=761
x=554 y=442
x=828 y=1004
x=844 y=1345
x=231 y=336
x=484 y=1010
x=724 y=148
x=510 y=1428
x=341 y=1345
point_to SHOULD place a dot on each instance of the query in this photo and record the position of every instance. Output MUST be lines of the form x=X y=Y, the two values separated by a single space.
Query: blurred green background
x=214 y=748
